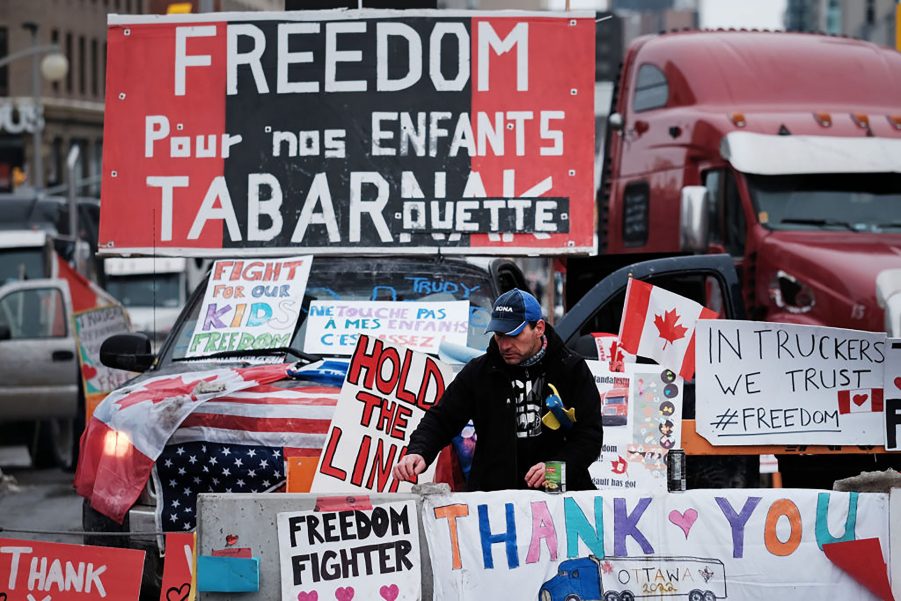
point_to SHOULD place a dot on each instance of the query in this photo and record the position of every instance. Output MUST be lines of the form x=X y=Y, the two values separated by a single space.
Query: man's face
x=516 y=349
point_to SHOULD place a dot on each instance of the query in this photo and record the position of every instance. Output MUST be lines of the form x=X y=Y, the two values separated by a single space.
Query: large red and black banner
x=349 y=132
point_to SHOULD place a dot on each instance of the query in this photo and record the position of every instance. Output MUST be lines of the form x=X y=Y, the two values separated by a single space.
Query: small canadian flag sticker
x=862 y=400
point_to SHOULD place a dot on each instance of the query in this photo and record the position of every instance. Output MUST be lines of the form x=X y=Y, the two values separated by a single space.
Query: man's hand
x=409 y=468
x=535 y=476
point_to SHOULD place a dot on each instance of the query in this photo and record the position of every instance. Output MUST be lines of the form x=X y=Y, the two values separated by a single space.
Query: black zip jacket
x=480 y=392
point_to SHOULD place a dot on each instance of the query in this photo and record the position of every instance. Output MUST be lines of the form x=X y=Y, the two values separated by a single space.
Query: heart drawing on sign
x=389 y=593
x=344 y=593
x=898 y=383
x=304 y=596
x=179 y=593
x=860 y=399
x=684 y=520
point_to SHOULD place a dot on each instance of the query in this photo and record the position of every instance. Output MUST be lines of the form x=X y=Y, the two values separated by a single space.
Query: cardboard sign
x=92 y=327
x=350 y=554
x=892 y=391
x=700 y=544
x=179 y=580
x=250 y=304
x=770 y=383
x=386 y=392
x=334 y=326
x=457 y=131
x=641 y=410
x=32 y=570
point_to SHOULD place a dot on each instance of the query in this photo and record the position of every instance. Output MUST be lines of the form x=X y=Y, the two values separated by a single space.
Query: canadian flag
x=131 y=426
x=862 y=400
x=660 y=325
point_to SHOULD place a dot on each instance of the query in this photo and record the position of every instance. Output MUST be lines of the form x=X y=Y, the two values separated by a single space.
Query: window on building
x=82 y=70
x=651 y=89
x=54 y=39
x=4 y=71
x=870 y=17
x=95 y=68
x=69 y=55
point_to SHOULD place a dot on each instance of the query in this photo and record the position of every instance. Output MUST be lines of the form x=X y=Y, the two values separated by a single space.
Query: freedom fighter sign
x=348 y=132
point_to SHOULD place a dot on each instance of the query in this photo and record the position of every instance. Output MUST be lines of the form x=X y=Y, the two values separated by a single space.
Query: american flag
x=237 y=443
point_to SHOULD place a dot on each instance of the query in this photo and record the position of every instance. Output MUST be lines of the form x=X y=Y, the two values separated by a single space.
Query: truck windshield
x=361 y=279
x=146 y=290
x=861 y=202
x=22 y=264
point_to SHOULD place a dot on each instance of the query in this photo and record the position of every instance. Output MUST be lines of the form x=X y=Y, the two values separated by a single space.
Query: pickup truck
x=478 y=280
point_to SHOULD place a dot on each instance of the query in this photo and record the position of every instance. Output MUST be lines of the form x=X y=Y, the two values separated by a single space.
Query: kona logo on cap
x=504 y=309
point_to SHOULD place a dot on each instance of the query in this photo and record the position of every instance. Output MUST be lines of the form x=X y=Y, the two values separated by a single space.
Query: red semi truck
x=781 y=149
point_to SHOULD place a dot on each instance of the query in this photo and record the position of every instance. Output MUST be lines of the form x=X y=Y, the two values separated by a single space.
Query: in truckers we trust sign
x=349 y=131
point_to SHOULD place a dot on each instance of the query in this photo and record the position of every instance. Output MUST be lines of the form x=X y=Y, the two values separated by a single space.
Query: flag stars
x=180 y=451
x=187 y=526
x=226 y=472
x=173 y=518
x=168 y=463
x=175 y=503
x=226 y=451
x=266 y=484
x=264 y=464
x=252 y=453
x=182 y=471
x=196 y=479
x=240 y=483
x=192 y=459
x=213 y=461
x=238 y=462
x=251 y=473
x=173 y=483
x=187 y=491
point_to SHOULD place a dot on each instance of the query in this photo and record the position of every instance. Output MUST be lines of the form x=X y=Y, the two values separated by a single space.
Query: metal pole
x=72 y=168
x=37 y=178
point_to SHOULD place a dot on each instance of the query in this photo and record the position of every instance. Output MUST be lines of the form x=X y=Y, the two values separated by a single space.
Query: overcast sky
x=762 y=14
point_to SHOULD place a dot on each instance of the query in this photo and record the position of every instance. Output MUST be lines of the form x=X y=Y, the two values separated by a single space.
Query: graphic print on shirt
x=526 y=397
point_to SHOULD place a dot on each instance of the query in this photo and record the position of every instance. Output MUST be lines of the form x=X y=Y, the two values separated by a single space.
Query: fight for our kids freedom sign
x=250 y=304
x=775 y=383
x=349 y=131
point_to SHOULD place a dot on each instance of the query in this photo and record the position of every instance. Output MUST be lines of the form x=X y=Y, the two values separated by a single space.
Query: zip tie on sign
x=85 y=533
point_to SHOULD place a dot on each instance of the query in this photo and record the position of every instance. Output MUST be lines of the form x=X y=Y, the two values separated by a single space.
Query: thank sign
x=775 y=383
x=386 y=392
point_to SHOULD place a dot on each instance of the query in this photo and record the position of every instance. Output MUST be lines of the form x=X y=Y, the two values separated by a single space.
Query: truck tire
x=611 y=596
x=53 y=443
x=695 y=595
x=94 y=521
x=709 y=596
x=626 y=596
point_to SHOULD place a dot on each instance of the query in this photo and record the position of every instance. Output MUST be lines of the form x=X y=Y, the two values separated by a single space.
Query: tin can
x=675 y=470
x=555 y=476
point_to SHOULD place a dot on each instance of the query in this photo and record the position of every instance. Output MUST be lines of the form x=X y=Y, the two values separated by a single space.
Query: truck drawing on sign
x=615 y=407
x=629 y=578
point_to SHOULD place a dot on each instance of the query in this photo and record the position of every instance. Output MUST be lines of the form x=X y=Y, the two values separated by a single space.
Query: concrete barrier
x=249 y=521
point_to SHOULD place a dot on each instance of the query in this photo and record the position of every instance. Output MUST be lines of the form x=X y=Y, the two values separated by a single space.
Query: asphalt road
x=36 y=500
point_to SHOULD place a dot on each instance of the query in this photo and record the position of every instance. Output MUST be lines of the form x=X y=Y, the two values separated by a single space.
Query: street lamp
x=54 y=67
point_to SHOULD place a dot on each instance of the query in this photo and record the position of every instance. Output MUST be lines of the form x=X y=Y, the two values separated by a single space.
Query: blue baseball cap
x=512 y=311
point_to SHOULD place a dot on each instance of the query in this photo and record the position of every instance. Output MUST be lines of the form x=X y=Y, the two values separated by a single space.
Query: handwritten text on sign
x=250 y=305
x=362 y=554
x=771 y=383
x=43 y=571
x=93 y=327
x=334 y=326
x=502 y=546
x=386 y=392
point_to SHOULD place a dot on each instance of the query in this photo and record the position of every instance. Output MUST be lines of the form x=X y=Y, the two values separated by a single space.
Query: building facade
x=872 y=20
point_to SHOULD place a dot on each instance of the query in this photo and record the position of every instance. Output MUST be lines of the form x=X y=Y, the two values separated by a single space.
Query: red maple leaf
x=160 y=390
x=607 y=567
x=668 y=326
x=620 y=465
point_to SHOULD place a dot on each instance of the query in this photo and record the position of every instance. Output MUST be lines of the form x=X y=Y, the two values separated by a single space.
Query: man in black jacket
x=503 y=392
